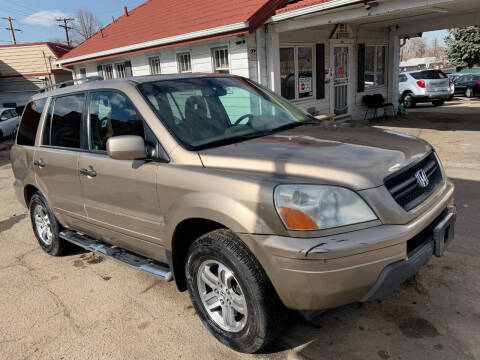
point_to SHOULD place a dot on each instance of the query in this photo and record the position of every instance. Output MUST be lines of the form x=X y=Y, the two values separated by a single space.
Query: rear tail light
x=421 y=84
x=478 y=82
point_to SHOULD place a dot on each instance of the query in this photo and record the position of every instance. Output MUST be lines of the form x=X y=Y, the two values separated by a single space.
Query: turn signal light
x=421 y=83
x=296 y=219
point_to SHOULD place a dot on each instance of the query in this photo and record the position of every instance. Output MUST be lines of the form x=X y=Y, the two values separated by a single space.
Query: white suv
x=424 y=86
x=9 y=120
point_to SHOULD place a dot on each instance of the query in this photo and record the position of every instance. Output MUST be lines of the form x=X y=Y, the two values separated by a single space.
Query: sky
x=36 y=18
x=440 y=35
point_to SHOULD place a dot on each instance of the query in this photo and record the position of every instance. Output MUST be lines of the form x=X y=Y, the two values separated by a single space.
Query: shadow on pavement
x=453 y=116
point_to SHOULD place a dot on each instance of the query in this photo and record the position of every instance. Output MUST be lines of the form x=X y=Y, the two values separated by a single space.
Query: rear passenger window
x=30 y=120
x=66 y=121
x=112 y=114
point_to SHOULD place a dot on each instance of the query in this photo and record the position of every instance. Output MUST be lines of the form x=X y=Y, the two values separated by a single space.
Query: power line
x=11 y=29
x=65 y=26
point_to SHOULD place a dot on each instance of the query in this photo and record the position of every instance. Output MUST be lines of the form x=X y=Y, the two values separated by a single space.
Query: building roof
x=161 y=22
x=303 y=7
x=57 y=49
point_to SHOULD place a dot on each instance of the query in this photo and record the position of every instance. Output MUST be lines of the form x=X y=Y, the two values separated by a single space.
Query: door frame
x=350 y=94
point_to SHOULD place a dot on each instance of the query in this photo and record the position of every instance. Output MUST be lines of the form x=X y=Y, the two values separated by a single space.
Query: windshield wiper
x=228 y=141
x=239 y=138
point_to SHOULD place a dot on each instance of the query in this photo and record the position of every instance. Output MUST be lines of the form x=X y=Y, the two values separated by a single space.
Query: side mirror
x=4 y=117
x=127 y=147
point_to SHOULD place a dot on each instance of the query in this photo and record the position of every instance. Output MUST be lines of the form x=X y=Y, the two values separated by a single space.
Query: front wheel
x=438 y=102
x=231 y=292
x=409 y=101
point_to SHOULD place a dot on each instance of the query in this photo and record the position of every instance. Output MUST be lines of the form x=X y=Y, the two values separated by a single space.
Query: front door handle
x=89 y=173
x=39 y=163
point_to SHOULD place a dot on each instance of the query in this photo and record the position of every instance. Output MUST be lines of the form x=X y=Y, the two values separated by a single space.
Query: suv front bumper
x=326 y=272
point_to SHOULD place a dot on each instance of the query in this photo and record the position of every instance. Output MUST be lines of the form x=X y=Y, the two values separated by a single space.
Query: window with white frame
x=220 y=60
x=120 y=70
x=83 y=73
x=375 y=66
x=296 y=72
x=184 y=61
x=154 y=65
x=108 y=71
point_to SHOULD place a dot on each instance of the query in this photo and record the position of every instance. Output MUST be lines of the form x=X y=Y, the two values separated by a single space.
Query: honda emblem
x=422 y=178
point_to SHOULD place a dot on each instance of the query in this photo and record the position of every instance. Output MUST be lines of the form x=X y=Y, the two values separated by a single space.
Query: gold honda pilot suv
x=234 y=193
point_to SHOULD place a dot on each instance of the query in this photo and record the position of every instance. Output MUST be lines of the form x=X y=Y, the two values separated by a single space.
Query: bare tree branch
x=86 y=24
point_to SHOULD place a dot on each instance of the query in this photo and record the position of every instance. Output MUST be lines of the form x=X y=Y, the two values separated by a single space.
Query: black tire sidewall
x=254 y=334
x=56 y=247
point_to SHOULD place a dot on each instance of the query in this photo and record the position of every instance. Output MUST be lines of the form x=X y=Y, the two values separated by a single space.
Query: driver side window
x=111 y=114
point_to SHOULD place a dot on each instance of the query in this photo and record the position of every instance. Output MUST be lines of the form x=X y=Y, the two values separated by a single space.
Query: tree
x=86 y=24
x=463 y=46
x=414 y=48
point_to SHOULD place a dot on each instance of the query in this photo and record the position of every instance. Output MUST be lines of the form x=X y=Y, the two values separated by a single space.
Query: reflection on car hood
x=358 y=157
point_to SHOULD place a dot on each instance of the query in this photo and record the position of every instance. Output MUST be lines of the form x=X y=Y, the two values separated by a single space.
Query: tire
x=1 y=136
x=469 y=92
x=221 y=251
x=409 y=101
x=438 y=102
x=49 y=241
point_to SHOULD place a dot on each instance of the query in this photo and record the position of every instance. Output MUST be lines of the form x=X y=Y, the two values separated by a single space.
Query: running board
x=126 y=257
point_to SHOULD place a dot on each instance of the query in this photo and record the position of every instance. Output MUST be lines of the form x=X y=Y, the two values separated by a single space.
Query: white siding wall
x=322 y=36
x=201 y=55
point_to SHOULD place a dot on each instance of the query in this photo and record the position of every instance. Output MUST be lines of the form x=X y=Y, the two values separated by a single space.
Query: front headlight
x=315 y=207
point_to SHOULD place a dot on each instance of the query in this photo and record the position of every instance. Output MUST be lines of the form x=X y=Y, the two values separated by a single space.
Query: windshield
x=212 y=111
x=429 y=75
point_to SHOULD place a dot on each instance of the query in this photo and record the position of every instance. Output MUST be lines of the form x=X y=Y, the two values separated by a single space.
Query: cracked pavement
x=79 y=306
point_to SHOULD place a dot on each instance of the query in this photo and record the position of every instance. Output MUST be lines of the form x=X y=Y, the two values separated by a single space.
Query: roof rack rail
x=70 y=82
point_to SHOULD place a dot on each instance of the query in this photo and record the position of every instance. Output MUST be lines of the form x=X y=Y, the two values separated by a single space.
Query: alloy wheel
x=43 y=225
x=222 y=296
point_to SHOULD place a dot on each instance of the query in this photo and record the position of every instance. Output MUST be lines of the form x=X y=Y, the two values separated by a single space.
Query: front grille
x=403 y=185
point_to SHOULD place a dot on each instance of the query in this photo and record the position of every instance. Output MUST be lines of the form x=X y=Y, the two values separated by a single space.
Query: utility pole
x=66 y=27
x=11 y=28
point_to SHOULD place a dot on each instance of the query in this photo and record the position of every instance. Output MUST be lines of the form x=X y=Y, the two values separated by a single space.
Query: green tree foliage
x=463 y=46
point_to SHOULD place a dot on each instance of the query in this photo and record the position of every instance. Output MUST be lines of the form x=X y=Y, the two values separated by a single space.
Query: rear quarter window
x=27 y=130
x=429 y=75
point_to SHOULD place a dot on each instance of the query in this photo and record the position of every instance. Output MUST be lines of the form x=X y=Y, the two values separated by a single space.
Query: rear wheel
x=231 y=292
x=469 y=92
x=45 y=226
x=438 y=102
x=409 y=100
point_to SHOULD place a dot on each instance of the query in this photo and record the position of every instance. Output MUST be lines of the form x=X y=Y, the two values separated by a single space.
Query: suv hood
x=358 y=158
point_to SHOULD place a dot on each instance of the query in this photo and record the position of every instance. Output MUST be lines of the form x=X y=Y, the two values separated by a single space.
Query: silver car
x=424 y=86
x=9 y=120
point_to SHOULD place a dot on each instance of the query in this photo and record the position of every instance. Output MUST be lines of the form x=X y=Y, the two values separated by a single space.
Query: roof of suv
x=105 y=84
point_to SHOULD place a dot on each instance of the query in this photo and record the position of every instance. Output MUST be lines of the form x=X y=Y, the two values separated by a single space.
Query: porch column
x=273 y=59
x=393 y=68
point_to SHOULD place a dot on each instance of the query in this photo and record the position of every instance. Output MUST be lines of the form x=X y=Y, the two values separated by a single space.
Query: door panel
x=341 y=55
x=122 y=196
x=58 y=179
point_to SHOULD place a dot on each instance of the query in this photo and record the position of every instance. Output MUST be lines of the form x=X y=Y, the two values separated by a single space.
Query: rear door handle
x=39 y=163
x=89 y=173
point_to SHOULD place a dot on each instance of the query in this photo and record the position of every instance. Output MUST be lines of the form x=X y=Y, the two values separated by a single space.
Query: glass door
x=341 y=54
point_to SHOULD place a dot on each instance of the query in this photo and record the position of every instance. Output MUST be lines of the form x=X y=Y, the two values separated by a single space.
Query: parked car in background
x=247 y=202
x=9 y=120
x=468 y=85
x=424 y=86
